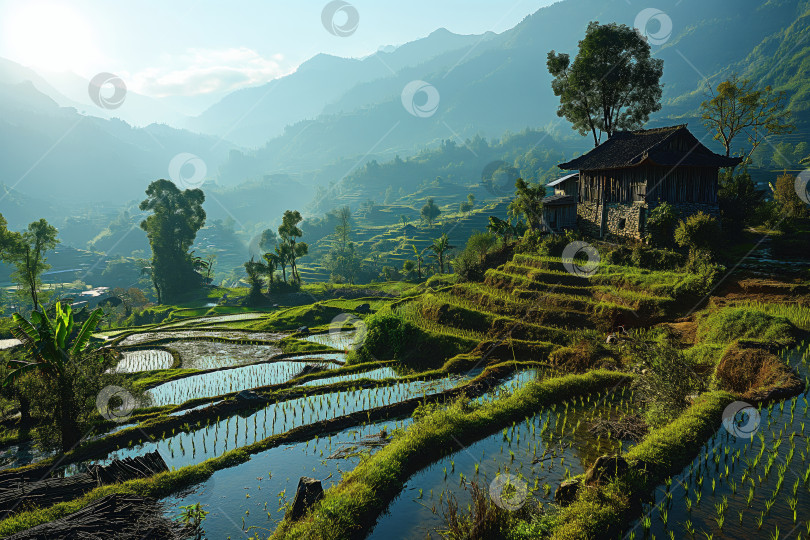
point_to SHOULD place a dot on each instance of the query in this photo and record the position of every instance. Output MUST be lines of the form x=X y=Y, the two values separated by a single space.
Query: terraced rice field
x=227 y=381
x=145 y=360
x=536 y=454
x=754 y=482
x=251 y=497
x=213 y=355
x=177 y=335
x=523 y=311
x=342 y=341
x=221 y=435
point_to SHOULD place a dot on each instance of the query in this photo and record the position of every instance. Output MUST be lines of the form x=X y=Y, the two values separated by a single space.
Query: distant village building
x=626 y=177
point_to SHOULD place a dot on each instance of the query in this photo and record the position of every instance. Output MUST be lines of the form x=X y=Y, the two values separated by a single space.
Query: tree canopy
x=26 y=251
x=737 y=107
x=612 y=84
x=430 y=211
x=176 y=218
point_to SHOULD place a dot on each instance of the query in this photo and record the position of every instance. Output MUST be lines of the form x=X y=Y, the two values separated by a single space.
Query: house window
x=622 y=224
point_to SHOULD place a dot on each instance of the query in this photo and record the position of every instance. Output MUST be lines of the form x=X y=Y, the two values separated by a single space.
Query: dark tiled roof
x=629 y=148
x=559 y=200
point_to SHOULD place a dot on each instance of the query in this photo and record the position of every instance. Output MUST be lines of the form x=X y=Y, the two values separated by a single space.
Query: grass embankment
x=349 y=508
x=604 y=511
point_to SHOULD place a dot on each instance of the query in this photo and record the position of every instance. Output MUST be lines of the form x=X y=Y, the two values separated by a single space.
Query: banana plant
x=49 y=347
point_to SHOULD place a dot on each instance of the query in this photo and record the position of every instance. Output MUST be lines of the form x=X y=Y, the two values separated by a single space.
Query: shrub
x=655 y=259
x=554 y=244
x=646 y=257
x=661 y=224
x=389 y=336
x=699 y=232
x=151 y=315
x=471 y=263
x=668 y=377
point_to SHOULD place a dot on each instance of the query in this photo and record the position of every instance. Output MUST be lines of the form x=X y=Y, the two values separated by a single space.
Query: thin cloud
x=205 y=71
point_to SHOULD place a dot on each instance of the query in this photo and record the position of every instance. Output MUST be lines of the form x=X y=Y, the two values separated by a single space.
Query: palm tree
x=419 y=260
x=49 y=353
x=440 y=246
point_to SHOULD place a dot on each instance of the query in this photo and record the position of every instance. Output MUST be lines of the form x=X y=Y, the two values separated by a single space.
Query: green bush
x=389 y=336
x=699 y=232
x=661 y=224
x=646 y=257
x=554 y=244
x=151 y=315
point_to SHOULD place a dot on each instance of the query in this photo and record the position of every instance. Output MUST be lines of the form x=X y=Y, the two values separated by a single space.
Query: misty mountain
x=502 y=83
x=252 y=116
x=57 y=154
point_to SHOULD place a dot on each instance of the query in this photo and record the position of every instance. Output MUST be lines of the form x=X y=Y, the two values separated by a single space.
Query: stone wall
x=628 y=220
x=625 y=219
x=588 y=218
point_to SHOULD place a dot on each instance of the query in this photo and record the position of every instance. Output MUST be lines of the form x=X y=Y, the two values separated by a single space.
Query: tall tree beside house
x=613 y=83
x=737 y=107
x=171 y=229
x=26 y=251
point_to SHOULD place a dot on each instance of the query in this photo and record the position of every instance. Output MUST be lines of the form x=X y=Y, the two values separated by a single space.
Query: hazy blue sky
x=185 y=47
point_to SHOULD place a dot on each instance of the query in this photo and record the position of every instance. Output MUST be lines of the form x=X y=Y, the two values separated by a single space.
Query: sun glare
x=48 y=36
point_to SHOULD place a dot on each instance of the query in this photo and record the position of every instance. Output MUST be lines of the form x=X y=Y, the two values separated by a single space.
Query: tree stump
x=605 y=469
x=308 y=493
x=567 y=492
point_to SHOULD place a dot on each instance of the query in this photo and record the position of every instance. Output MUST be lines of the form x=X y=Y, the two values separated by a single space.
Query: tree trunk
x=25 y=410
x=68 y=426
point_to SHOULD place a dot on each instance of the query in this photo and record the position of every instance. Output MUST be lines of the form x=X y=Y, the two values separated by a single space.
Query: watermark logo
x=340 y=18
x=107 y=90
x=348 y=322
x=115 y=403
x=803 y=186
x=572 y=257
x=420 y=99
x=741 y=419
x=509 y=492
x=498 y=178
x=654 y=25
x=187 y=171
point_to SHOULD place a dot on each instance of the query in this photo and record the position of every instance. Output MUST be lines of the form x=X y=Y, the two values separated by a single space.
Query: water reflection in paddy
x=542 y=451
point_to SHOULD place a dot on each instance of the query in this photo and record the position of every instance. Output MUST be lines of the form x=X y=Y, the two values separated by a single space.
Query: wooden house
x=624 y=178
